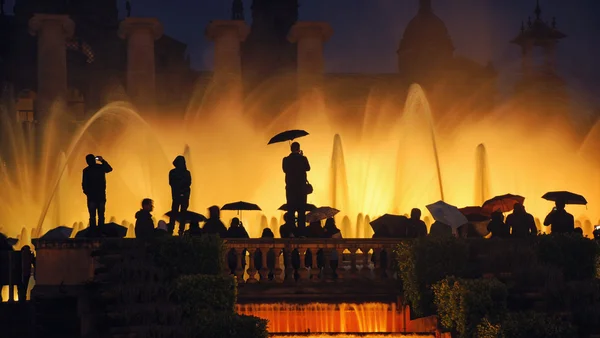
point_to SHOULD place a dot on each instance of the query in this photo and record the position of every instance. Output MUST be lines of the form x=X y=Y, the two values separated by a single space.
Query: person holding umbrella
x=180 y=181
x=559 y=220
x=295 y=166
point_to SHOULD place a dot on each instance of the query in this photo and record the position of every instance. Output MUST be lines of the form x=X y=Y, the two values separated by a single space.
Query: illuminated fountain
x=400 y=161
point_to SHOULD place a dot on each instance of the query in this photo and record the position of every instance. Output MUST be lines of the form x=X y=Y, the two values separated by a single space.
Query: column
x=141 y=70
x=227 y=36
x=52 y=32
x=309 y=37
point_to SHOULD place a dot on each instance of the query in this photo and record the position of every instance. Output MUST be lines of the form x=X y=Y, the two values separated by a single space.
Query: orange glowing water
x=317 y=317
x=388 y=158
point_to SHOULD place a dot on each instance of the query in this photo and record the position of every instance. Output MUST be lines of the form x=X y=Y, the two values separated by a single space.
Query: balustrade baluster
x=251 y=268
x=365 y=271
x=288 y=277
x=377 y=272
x=277 y=270
x=314 y=270
x=264 y=270
x=327 y=268
x=239 y=268
x=303 y=270
x=340 y=271
x=353 y=272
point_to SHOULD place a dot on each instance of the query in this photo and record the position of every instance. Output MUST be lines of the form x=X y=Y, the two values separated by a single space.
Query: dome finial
x=425 y=6
x=538 y=10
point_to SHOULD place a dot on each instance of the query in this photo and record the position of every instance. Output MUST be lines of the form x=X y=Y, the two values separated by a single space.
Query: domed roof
x=426 y=31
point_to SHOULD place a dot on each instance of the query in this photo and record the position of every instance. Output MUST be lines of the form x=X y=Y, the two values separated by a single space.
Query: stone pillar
x=227 y=36
x=141 y=70
x=310 y=36
x=52 y=32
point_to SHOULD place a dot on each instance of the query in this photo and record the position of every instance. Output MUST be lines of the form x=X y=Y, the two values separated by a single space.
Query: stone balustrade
x=301 y=260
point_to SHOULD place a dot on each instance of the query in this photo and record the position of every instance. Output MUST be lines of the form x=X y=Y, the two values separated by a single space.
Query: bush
x=535 y=325
x=463 y=303
x=575 y=255
x=188 y=255
x=228 y=326
x=198 y=294
x=425 y=261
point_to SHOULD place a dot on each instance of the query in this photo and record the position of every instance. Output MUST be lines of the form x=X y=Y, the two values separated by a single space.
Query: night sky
x=367 y=32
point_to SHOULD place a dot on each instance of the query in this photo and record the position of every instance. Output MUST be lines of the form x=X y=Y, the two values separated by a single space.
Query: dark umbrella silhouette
x=394 y=225
x=288 y=135
x=240 y=206
x=187 y=216
x=475 y=214
x=321 y=213
x=58 y=233
x=309 y=207
x=112 y=230
x=504 y=203
x=565 y=196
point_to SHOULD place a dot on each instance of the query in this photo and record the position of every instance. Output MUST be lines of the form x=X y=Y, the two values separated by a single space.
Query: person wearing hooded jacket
x=94 y=187
x=180 y=181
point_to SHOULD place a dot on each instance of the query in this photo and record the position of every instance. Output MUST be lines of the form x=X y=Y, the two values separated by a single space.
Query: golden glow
x=317 y=317
x=389 y=161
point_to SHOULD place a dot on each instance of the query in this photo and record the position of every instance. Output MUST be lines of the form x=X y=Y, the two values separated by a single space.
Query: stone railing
x=301 y=260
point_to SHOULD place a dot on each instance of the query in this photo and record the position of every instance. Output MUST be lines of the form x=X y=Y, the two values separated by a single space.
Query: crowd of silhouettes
x=519 y=224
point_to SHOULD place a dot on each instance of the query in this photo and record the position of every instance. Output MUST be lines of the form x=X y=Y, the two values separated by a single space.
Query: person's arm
x=284 y=165
x=105 y=166
x=532 y=227
x=548 y=219
x=306 y=164
x=188 y=177
x=84 y=182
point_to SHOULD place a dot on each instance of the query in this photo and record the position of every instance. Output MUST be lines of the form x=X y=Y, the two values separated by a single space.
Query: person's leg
x=302 y=213
x=92 y=211
x=101 y=205
x=184 y=204
x=174 y=212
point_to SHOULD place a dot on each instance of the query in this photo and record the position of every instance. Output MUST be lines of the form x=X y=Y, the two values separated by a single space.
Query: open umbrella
x=240 y=206
x=391 y=225
x=186 y=216
x=113 y=230
x=288 y=135
x=320 y=214
x=504 y=203
x=565 y=196
x=308 y=207
x=447 y=214
x=57 y=234
x=475 y=214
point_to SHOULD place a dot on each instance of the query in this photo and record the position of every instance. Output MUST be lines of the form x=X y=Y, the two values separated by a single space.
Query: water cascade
x=319 y=317
x=338 y=182
x=482 y=176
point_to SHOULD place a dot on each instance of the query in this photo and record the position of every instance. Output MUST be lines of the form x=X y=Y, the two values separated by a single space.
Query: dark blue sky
x=367 y=32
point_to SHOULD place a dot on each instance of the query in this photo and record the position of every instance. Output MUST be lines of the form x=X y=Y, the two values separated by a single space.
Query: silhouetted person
x=267 y=233
x=144 y=224
x=180 y=181
x=27 y=262
x=236 y=229
x=468 y=231
x=295 y=166
x=213 y=225
x=439 y=229
x=497 y=226
x=194 y=231
x=596 y=232
x=94 y=187
x=521 y=223
x=417 y=227
x=287 y=229
x=578 y=231
x=162 y=229
x=331 y=229
x=559 y=220
x=315 y=230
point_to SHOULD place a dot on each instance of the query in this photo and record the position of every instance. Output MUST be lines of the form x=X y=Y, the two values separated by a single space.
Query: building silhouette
x=97 y=61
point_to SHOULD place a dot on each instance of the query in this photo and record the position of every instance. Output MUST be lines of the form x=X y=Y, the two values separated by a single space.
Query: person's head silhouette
x=90 y=159
x=148 y=204
x=560 y=205
x=295 y=147
x=415 y=213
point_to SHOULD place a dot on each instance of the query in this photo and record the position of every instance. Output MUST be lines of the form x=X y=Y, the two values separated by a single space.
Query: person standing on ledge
x=180 y=181
x=295 y=166
x=94 y=187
